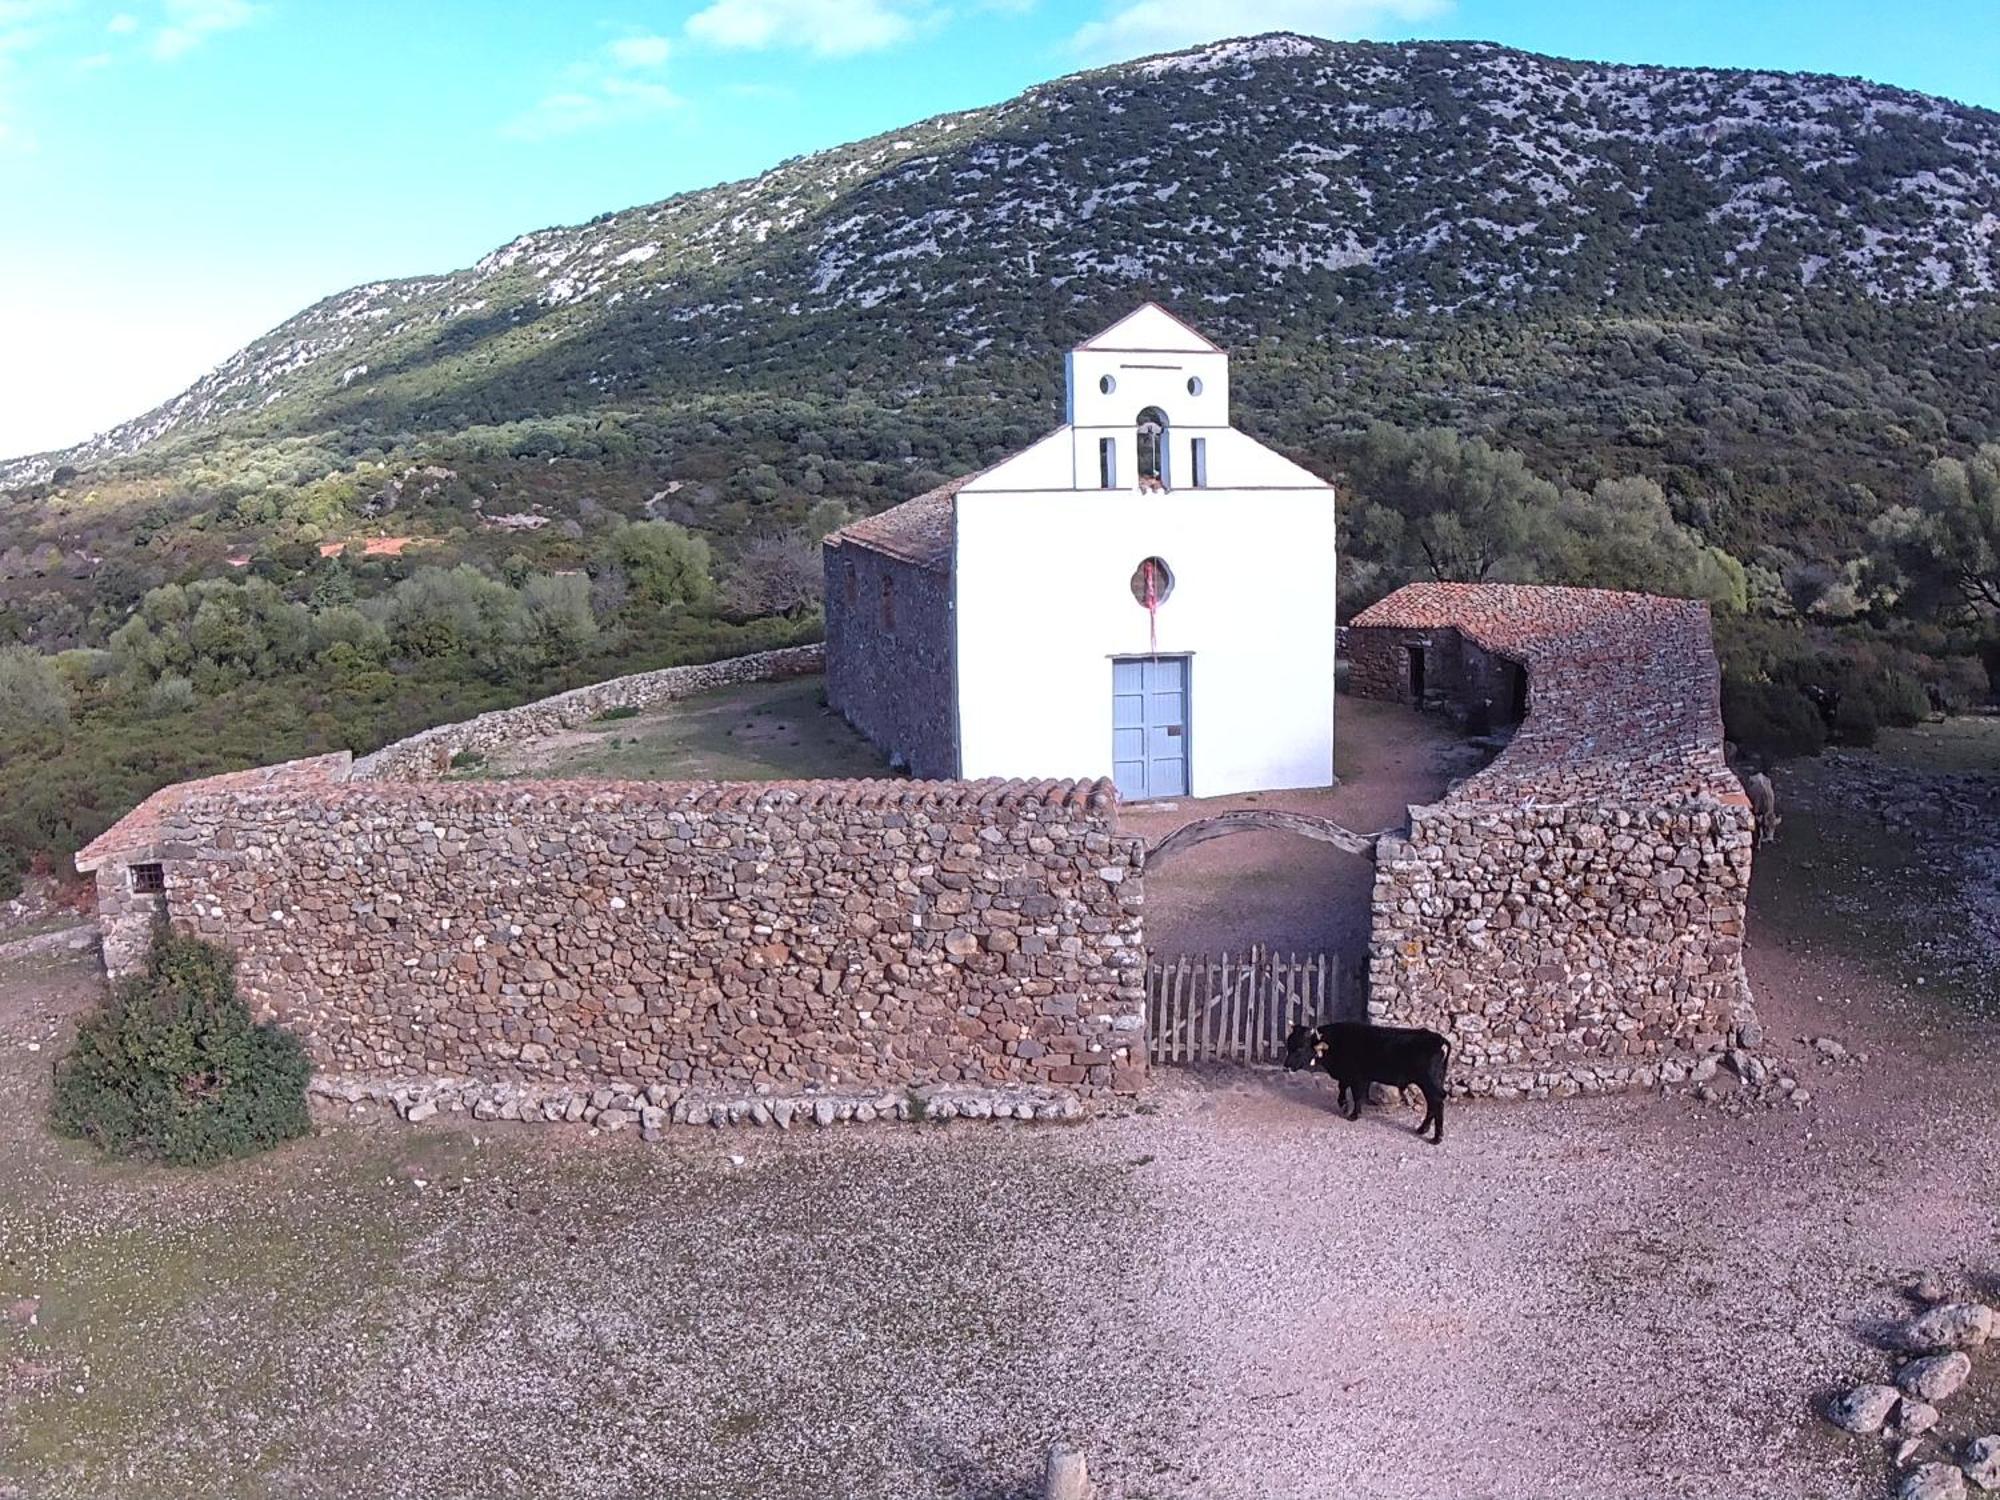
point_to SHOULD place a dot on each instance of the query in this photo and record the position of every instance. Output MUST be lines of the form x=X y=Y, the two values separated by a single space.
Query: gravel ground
x=1228 y=1293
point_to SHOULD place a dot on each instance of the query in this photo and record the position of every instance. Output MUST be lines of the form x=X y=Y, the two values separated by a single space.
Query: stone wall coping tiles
x=138 y=831
x=1625 y=691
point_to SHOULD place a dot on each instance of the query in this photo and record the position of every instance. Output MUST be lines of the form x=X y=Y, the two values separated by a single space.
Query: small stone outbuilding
x=1573 y=915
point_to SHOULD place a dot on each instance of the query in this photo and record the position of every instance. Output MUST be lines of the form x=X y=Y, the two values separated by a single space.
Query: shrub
x=1899 y=699
x=1959 y=683
x=170 y=695
x=467 y=760
x=173 y=1067
x=1771 y=721
x=1856 y=720
x=618 y=711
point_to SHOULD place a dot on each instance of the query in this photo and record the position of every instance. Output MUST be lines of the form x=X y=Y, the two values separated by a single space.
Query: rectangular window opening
x=888 y=603
x=1201 y=463
x=149 y=880
x=1107 y=463
x=847 y=577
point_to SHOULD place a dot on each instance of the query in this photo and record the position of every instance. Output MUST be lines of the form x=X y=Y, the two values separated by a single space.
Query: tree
x=665 y=566
x=33 y=694
x=559 y=617
x=777 y=575
x=1943 y=553
x=1623 y=535
x=1438 y=505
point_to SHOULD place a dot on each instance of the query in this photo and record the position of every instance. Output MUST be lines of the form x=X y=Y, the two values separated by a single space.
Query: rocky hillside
x=1328 y=196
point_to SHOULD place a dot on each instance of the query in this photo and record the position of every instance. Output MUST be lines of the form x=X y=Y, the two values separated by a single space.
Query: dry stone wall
x=1572 y=916
x=429 y=753
x=678 y=943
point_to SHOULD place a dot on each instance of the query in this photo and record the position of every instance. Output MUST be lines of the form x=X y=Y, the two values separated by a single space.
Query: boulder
x=1936 y=1376
x=1915 y=1418
x=1864 y=1409
x=1949 y=1325
x=1981 y=1462
x=1932 y=1482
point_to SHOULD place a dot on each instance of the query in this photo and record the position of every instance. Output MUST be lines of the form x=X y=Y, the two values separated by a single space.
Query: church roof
x=917 y=531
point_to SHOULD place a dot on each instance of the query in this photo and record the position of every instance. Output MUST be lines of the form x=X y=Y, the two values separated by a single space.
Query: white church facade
x=1145 y=594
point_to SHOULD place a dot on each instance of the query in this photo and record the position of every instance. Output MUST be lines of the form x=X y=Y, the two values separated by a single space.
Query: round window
x=1107 y=385
x=1152 y=582
x=1194 y=385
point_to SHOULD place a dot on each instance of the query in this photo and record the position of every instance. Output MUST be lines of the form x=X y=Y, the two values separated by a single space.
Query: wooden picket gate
x=1238 y=1008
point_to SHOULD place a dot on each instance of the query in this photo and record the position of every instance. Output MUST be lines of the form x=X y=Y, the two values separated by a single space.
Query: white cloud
x=619 y=84
x=640 y=51
x=189 y=23
x=1139 y=27
x=826 y=28
x=122 y=24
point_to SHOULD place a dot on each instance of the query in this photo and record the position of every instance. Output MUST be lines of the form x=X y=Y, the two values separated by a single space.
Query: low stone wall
x=1563 y=941
x=429 y=753
x=712 y=941
x=127 y=910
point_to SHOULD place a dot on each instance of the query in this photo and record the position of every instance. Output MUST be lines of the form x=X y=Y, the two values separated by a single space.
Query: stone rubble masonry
x=429 y=753
x=891 y=670
x=125 y=915
x=1573 y=915
x=722 y=941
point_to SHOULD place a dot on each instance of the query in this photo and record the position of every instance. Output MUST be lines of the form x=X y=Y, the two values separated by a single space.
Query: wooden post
x=1067 y=1477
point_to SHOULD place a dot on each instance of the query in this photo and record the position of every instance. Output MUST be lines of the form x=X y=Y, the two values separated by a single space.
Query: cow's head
x=1303 y=1047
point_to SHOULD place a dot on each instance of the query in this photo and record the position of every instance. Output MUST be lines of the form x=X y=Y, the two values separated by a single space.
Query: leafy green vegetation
x=173 y=1066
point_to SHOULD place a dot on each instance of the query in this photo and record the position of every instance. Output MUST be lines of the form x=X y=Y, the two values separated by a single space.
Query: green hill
x=1775 y=295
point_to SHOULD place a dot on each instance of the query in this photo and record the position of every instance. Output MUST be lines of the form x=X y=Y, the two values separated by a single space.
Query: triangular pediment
x=1154 y=330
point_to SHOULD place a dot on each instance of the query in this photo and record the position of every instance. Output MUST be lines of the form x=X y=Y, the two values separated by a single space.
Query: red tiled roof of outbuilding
x=1625 y=690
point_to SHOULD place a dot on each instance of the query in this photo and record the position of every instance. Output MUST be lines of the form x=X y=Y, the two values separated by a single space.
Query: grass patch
x=1843 y=883
x=759 y=731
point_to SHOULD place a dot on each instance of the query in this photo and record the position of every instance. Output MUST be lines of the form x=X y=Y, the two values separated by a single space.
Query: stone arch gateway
x=1247 y=820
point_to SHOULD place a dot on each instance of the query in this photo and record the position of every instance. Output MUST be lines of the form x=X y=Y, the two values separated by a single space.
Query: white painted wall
x=1044 y=603
x=1045 y=556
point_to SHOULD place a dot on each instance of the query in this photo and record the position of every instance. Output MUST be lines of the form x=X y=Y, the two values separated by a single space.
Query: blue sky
x=177 y=176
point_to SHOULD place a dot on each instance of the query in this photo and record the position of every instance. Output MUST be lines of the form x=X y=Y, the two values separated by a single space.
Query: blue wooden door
x=1149 y=727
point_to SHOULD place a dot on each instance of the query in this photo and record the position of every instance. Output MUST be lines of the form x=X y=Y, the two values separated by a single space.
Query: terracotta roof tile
x=917 y=531
x=1624 y=689
x=137 y=830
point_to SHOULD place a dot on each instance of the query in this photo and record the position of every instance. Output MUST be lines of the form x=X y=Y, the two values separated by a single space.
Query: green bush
x=1856 y=720
x=467 y=760
x=1899 y=699
x=620 y=711
x=1770 y=721
x=173 y=1067
x=1959 y=683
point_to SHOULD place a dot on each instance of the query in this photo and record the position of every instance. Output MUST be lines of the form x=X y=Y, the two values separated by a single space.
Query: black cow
x=1355 y=1056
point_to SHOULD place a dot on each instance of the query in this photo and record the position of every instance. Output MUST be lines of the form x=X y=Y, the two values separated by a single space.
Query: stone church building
x=1145 y=594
